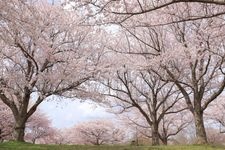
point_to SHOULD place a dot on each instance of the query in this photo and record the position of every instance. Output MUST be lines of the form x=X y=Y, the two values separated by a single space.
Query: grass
x=27 y=146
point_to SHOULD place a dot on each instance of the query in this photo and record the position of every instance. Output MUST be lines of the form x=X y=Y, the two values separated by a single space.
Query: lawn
x=27 y=146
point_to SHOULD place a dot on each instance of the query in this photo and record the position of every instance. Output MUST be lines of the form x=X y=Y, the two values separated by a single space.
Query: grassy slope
x=26 y=146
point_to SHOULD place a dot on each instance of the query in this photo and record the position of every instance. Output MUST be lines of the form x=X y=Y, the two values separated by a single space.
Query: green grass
x=27 y=146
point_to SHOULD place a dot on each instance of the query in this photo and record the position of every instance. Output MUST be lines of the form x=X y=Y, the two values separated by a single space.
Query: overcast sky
x=67 y=113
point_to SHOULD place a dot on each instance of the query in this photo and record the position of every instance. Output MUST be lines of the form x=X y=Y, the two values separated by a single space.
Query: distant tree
x=215 y=115
x=98 y=132
x=61 y=136
x=38 y=127
x=214 y=136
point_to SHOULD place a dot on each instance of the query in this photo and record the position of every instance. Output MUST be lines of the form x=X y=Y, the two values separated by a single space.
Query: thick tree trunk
x=19 y=130
x=155 y=134
x=97 y=142
x=1 y=138
x=201 y=137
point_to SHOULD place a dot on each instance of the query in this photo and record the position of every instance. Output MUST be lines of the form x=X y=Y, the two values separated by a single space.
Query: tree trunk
x=19 y=130
x=164 y=141
x=155 y=134
x=1 y=138
x=97 y=142
x=201 y=137
x=33 y=141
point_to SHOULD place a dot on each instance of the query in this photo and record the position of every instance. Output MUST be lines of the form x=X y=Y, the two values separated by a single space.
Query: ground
x=27 y=146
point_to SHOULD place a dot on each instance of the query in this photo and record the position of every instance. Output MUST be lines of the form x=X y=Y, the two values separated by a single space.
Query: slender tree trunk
x=19 y=130
x=200 y=128
x=155 y=134
x=34 y=140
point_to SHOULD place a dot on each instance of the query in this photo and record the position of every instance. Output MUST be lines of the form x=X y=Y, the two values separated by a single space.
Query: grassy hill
x=27 y=146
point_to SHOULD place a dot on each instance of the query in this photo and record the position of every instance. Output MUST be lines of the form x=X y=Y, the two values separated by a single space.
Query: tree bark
x=19 y=130
x=201 y=137
x=33 y=141
x=155 y=134
x=164 y=141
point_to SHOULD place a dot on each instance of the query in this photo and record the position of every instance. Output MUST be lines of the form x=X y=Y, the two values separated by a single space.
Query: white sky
x=67 y=113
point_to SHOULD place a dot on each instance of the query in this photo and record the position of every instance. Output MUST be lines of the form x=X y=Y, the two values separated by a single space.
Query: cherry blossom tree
x=128 y=89
x=180 y=53
x=64 y=136
x=38 y=127
x=214 y=136
x=124 y=11
x=6 y=123
x=160 y=67
x=98 y=132
x=55 y=136
x=42 y=54
x=196 y=68
x=168 y=128
x=215 y=115
x=186 y=136
x=173 y=124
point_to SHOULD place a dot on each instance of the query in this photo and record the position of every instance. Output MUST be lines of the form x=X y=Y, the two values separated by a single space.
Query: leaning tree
x=43 y=53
